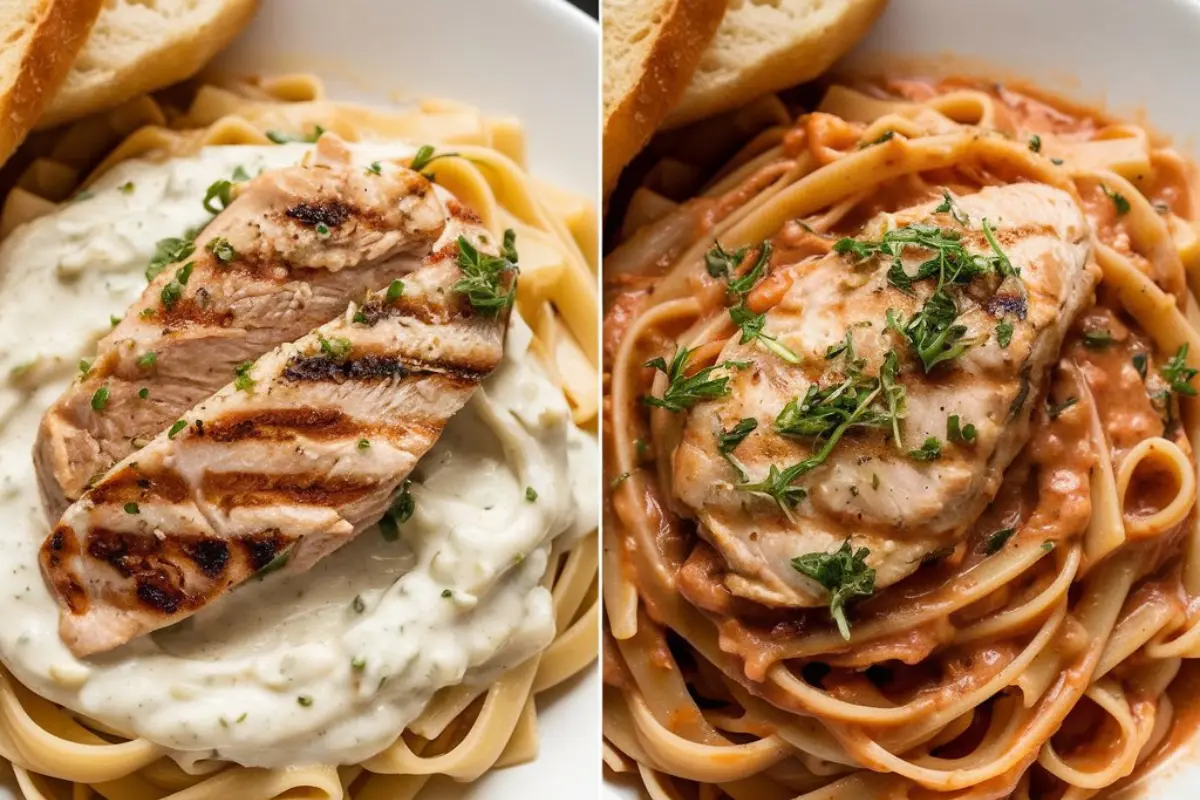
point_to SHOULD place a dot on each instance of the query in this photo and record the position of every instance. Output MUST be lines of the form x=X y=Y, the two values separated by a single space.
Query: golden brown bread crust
x=686 y=30
x=62 y=28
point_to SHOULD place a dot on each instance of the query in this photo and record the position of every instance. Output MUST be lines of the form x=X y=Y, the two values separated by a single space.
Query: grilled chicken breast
x=870 y=490
x=287 y=464
x=288 y=254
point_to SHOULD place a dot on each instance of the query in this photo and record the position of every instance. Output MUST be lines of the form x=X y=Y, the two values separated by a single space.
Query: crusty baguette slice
x=40 y=39
x=651 y=48
x=764 y=47
x=138 y=46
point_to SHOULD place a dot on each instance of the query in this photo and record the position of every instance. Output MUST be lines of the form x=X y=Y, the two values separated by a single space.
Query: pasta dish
x=900 y=416
x=310 y=391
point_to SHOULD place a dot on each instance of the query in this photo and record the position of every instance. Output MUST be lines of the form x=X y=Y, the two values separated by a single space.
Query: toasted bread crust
x=810 y=53
x=685 y=31
x=61 y=31
x=175 y=60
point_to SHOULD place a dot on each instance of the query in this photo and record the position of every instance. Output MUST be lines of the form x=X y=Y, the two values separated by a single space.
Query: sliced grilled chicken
x=287 y=255
x=869 y=490
x=290 y=466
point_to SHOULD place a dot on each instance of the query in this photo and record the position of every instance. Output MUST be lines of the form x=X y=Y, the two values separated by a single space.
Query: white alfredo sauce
x=457 y=599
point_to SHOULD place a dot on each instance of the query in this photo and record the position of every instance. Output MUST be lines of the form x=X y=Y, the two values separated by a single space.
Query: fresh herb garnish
x=376 y=168
x=364 y=444
x=886 y=136
x=948 y=206
x=218 y=192
x=728 y=440
x=958 y=433
x=132 y=508
x=1054 y=411
x=1004 y=333
x=304 y=700
x=508 y=246
x=222 y=250
x=338 y=347
x=482 y=280
x=722 y=263
x=147 y=360
x=85 y=367
x=930 y=450
x=405 y=504
x=1178 y=374
x=358 y=604
x=168 y=251
x=778 y=485
x=996 y=541
x=1035 y=143
x=127 y=187
x=425 y=156
x=143 y=392
x=100 y=399
x=243 y=382
x=279 y=137
x=531 y=494
x=176 y=428
x=751 y=325
x=395 y=290
x=844 y=573
x=1097 y=339
x=1139 y=363
x=323 y=230
x=1119 y=201
x=684 y=391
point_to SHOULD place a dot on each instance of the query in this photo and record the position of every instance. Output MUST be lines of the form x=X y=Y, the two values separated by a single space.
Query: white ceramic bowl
x=1137 y=59
x=535 y=59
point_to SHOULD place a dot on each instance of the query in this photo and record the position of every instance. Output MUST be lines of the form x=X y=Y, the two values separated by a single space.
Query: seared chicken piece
x=287 y=255
x=282 y=467
x=880 y=495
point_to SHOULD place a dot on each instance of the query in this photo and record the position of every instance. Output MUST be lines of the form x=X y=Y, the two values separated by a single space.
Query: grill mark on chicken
x=461 y=213
x=229 y=490
x=327 y=212
x=62 y=546
x=324 y=368
x=129 y=484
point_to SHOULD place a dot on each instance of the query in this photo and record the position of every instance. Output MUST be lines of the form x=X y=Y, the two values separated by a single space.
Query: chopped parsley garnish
x=395 y=290
x=358 y=605
x=1119 y=201
x=1004 y=333
x=218 y=192
x=934 y=332
x=1097 y=339
x=722 y=263
x=364 y=444
x=132 y=508
x=222 y=250
x=958 y=433
x=930 y=450
x=995 y=541
x=728 y=440
x=684 y=391
x=948 y=206
x=778 y=485
x=508 y=246
x=886 y=136
x=1054 y=411
x=168 y=251
x=278 y=137
x=304 y=700
x=143 y=392
x=844 y=573
x=322 y=230
x=446 y=593
x=751 y=325
x=1139 y=363
x=1035 y=143
x=404 y=505
x=1178 y=374
x=1000 y=261
x=114 y=320
x=376 y=168
x=176 y=428
x=100 y=399
x=531 y=494
x=85 y=367
x=240 y=174
x=338 y=347
x=482 y=280
x=243 y=382
x=1047 y=546
x=147 y=360
x=127 y=187
x=425 y=156
x=358 y=663
x=1058 y=162
x=173 y=291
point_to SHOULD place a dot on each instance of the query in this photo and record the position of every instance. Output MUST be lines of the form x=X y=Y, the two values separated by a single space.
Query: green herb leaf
x=1004 y=333
x=844 y=573
x=143 y=392
x=222 y=250
x=405 y=504
x=1035 y=143
x=147 y=360
x=132 y=508
x=1097 y=339
x=1119 y=201
x=85 y=367
x=278 y=137
x=218 y=192
x=1178 y=374
x=304 y=700
x=168 y=251
x=323 y=230
x=751 y=325
x=995 y=541
x=531 y=494
x=685 y=391
x=1140 y=363
x=176 y=428
x=376 y=168
x=395 y=290
x=958 y=433
x=100 y=399
x=730 y=439
x=425 y=156
x=948 y=206
x=243 y=382
x=338 y=347
x=1053 y=411
x=930 y=450
x=483 y=279
x=508 y=248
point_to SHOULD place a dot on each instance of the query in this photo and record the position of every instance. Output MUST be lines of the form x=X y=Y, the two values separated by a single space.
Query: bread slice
x=38 y=41
x=651 y=48
x=762 y=47
x=138 y=46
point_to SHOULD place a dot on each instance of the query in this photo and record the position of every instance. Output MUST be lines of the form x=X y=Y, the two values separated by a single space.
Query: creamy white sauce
x=455 y=600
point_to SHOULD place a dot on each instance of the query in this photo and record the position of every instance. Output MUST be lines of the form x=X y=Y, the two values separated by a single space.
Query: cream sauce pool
x=456 y=599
